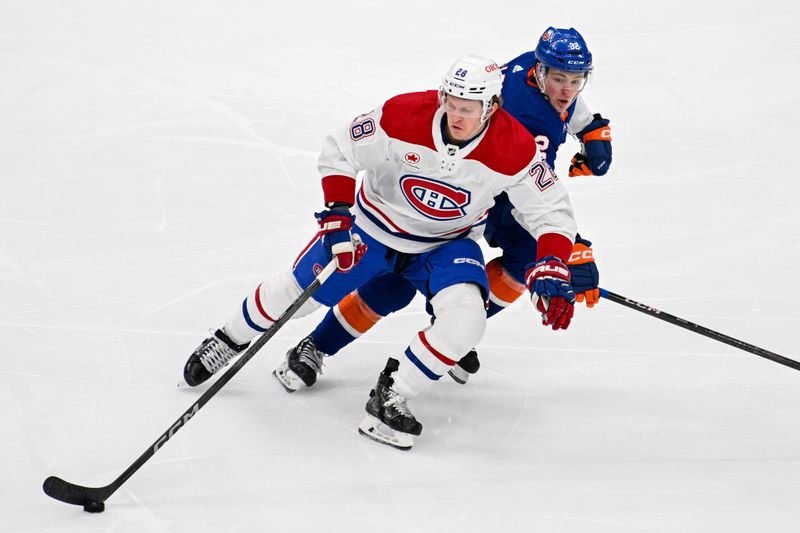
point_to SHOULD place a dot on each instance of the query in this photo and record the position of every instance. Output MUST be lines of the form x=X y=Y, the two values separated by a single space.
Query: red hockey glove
x=551 y=291
x=334 y=229
x=584 y=275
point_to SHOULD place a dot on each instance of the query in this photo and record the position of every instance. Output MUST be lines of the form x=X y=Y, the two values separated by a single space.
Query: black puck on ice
x=94 y=507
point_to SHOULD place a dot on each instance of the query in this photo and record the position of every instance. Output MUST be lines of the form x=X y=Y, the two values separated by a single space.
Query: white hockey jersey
x=419 y=192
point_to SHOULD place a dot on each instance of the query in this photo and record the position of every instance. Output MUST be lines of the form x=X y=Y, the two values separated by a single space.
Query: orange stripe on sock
x=501 y=284
x=357 y=313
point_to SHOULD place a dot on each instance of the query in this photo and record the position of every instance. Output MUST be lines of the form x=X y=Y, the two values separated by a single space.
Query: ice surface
x=157 y=160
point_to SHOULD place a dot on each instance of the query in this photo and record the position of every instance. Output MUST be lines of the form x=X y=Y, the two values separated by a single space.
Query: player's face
x=463 y=117
x=562 y=87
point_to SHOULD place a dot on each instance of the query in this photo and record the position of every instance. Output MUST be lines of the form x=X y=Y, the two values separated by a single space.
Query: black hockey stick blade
x=67 y=492
x=93 y=499
x=702 y=330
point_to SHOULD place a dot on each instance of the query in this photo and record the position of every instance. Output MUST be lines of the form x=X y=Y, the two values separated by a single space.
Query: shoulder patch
x=507 y=148
x=409 y=117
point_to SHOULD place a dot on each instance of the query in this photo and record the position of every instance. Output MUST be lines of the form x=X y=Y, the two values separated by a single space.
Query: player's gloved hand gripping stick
x=340 y=244
x=551 y=292
x=584 y=275
x=92 y=498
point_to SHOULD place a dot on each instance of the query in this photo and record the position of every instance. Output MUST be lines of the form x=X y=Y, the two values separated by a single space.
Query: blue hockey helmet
x=564 y=49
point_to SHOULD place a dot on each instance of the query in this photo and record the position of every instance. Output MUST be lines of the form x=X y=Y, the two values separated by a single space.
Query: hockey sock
x=459 y=325
x=503 y=288
x=262 y=307
x=344 y=323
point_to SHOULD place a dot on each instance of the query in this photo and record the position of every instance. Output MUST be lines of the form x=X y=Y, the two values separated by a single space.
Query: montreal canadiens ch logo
x=434 y=199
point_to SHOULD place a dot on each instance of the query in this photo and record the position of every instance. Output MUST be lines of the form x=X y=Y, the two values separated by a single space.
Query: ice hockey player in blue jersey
x=541 y=89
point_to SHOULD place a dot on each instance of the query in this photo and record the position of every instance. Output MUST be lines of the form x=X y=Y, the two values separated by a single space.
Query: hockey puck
x=94 y=507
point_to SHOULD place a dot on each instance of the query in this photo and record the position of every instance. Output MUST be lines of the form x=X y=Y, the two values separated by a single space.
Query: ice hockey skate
x=213 y=354
x=302 y=364
x=388 y=420
x=468 y=365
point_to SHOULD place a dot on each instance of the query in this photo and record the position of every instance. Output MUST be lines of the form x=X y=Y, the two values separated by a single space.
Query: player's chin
x=458 y=134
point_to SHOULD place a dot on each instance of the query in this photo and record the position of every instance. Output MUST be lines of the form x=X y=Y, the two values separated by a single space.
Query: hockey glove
x=595 y=158
x=551 y=291
x=579 y=166
x=334 y=229
x=584 y=274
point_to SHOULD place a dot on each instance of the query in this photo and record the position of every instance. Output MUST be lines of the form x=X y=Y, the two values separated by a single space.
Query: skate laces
x=308 y=353
x=397 y=402
x=216 y=354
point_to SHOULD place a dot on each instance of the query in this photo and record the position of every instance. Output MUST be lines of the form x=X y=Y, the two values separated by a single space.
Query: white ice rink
x=157 y=161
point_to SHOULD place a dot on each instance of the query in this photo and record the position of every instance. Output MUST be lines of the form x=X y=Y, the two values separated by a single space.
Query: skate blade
x=459 y=376
x=183 y=385
x=288 y=379
x=374 y=429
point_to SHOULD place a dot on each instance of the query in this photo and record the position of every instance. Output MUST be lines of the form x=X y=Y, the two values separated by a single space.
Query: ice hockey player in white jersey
x=432 y=162
x=542 y=90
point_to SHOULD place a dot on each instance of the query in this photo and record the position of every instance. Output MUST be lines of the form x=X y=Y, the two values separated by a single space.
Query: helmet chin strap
x=541 y=73
x=487 y=109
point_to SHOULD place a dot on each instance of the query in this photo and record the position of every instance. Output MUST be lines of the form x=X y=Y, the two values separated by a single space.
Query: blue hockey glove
x=334 y=229
x=584 y=274
x=551 y=291
x=595 y=158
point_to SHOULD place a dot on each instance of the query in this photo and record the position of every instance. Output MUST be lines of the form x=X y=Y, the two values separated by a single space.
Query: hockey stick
x=691 y=326
x=92 y=498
